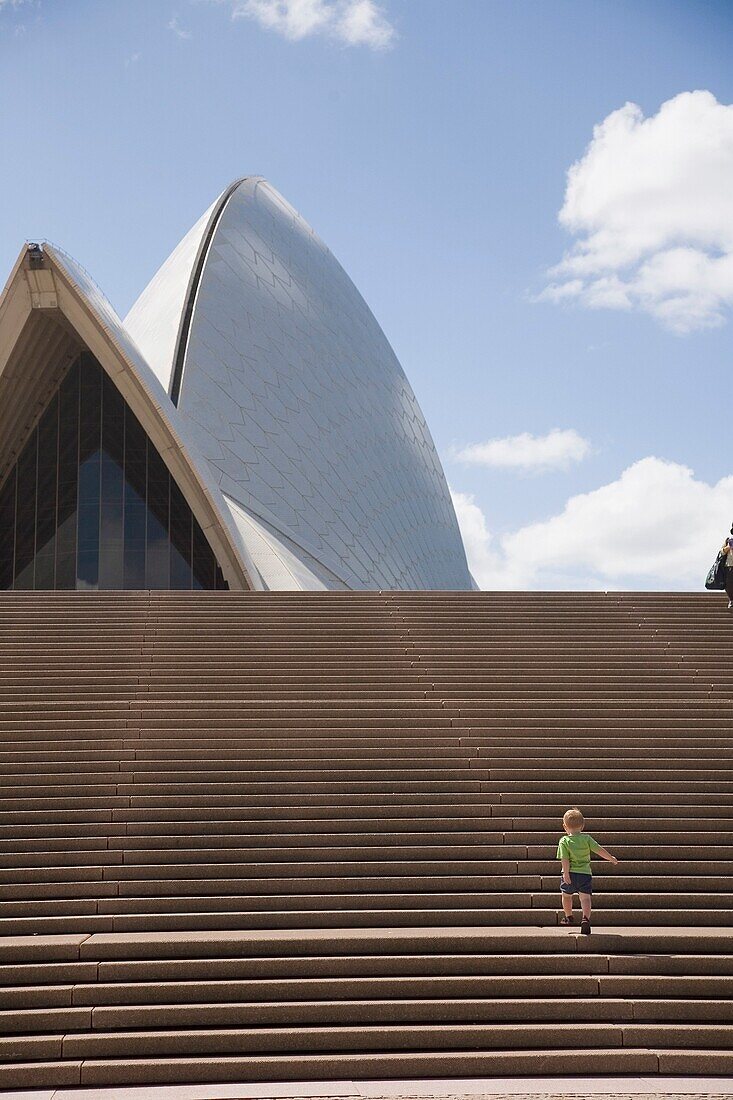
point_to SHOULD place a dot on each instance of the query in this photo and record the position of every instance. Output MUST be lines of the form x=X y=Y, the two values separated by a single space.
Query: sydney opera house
x=302 y=830
x=247 y=426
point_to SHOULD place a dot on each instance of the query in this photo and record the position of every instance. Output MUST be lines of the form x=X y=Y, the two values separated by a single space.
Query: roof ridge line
x=184 y=326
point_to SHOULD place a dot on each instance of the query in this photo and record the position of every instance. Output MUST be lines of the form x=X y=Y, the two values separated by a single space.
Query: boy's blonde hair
x=573 y=819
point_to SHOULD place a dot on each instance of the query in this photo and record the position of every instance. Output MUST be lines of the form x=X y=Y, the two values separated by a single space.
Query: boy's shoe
x=567 y=920
x=585 y=927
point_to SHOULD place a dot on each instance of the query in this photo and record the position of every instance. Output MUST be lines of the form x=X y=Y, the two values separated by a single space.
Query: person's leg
x=729 y=583
x=585 y=905
x=567 y=903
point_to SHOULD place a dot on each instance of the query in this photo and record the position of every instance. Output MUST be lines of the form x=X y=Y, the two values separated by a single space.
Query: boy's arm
x=566 y=870
x=605 y=855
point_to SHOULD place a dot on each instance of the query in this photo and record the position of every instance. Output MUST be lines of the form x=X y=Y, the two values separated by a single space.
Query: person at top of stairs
x=727 y=549
x=574 y=850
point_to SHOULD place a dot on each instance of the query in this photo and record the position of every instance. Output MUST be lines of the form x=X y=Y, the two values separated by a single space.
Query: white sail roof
x=297 y=403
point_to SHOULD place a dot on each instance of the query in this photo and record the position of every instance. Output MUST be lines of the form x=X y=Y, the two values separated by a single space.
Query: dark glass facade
x=90 y=503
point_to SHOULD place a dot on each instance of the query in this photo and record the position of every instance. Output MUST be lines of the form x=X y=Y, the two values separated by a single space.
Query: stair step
x=98 y=1072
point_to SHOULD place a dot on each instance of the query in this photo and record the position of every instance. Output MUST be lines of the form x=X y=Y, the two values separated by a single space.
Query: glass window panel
x=135 y=491
x=87 y=569
x=25 y=514
x=113 y=420
x=7 y=530
x=157 y=567
x=90 y=426
x=89 y=480
x=111 y=558
x=46 y=486
x=87 y=574
x=68 y=469
x=204 y=562
x=44 y=570
x=90 y=407
x=180 y=539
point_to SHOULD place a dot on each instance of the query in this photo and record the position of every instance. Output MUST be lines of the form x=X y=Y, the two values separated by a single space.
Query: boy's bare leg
x=585 y=905
x=567 y=903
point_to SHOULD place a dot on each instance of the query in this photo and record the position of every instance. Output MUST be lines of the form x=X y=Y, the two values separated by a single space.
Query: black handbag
x=715 y=580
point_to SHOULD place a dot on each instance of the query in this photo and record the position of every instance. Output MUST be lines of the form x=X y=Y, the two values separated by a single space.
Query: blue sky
x=429 y=148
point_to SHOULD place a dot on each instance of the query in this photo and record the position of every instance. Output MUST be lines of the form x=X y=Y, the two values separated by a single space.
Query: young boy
x=574 y=849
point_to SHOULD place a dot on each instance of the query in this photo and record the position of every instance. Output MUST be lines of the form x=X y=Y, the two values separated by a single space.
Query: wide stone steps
x=140 y=1008
x=249 y=836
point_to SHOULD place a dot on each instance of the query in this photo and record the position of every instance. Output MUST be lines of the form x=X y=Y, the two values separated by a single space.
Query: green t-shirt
x=577 y=848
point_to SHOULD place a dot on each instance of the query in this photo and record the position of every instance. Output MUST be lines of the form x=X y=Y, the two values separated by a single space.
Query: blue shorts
x=579 y=884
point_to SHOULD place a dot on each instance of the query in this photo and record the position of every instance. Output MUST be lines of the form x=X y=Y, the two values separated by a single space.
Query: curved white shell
x=298 y=404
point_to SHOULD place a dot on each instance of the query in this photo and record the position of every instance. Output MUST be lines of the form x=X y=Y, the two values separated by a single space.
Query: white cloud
x=651 y=206
x=489 y=565
x=7 y=7
x=362 y=23
x=656 y=526
x=539 y=453
x=173 y=25
x=351 y=22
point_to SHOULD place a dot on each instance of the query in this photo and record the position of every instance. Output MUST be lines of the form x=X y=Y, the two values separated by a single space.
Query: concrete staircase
x=312 y=835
